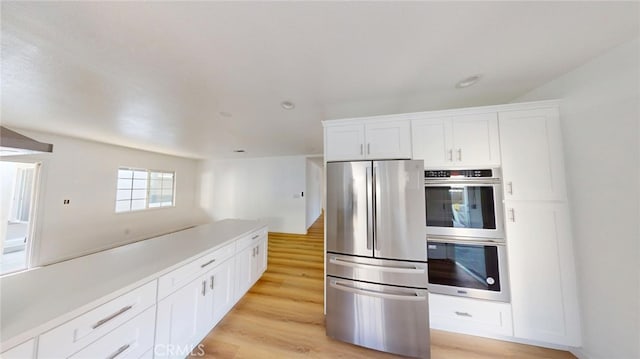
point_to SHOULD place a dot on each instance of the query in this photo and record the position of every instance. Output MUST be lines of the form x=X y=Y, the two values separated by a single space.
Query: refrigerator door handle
x=381 y=268
x=370 y=206
x=413 y=297
x=374 y=194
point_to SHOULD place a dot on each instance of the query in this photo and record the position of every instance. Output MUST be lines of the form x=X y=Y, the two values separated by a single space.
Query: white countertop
x=35 y=301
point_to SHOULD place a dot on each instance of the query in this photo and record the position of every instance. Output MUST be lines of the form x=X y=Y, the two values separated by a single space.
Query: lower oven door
x=476 y=269
x=382 y=317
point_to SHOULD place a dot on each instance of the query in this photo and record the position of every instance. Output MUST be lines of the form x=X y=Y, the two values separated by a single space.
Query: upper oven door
x=466 y=208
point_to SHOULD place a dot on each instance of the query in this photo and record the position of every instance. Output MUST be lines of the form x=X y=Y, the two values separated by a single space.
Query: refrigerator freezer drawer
x=392 y=272
x=386 y=318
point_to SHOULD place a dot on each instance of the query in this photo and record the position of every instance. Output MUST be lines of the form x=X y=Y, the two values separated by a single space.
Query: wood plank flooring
x=282 y=316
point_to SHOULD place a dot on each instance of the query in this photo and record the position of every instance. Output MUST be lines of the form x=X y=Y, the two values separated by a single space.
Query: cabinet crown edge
x=444 y=113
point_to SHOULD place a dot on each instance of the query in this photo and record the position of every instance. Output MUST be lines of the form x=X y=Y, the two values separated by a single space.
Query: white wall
x=268 y=188
x=85 y=173
x=313 y=193
x=600 y=122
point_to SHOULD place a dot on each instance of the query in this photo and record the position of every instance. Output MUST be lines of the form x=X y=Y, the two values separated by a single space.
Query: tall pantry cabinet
x=539 y=241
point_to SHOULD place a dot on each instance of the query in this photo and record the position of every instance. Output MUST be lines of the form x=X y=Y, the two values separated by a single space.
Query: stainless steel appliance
x=464 y=203
x=465 y=233
x=468 y=268
x=376 y=281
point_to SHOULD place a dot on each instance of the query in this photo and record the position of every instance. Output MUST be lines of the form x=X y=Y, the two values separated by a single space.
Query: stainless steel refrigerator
x=377 y=256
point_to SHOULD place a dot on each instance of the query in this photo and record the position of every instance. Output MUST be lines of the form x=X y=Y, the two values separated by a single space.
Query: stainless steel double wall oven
x=465 y=233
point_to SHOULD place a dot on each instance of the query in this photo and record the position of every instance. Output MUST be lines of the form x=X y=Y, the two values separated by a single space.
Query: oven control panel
x=458 y=173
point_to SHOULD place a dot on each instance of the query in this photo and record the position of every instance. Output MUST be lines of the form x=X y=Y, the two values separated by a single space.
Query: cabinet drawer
x=134 y=339
x=251 y=239
x=77 y=333
x=22 y=351
x=178 y=278
x=471 y=316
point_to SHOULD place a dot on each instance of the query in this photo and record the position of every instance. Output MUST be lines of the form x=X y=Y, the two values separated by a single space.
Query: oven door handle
x=412 y=297
x=460 y=240
x=378 y=267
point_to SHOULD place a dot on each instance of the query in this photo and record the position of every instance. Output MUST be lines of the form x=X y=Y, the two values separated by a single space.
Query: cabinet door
x=344 y=142
x=389 y=139
x=542 y=272
x=532 y=163
x=221 y=290
x=475 y=140
x=432 y=142
x=259 y=263
x=181 y=320
x=243 y=275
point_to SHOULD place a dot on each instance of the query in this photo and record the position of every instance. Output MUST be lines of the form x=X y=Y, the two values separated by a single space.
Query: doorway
x=18 y=193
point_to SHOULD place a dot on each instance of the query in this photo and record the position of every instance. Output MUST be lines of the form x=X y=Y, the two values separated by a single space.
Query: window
x=140 y=189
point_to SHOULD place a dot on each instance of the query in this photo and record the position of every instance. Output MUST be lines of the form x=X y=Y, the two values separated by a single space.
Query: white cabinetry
x=457 y=141
x=471 y=316
x=181 y=320
x=79 y=332
x=221 y=299
x=532 y=156
x=367 y=139
x=543 y=283
x=251 y=261
x=538 y=228
x=22 y=351
x=134 y=339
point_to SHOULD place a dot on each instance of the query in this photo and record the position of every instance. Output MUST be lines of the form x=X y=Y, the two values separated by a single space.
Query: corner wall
x=313 y=194
x=600 y=118
x=268 y=189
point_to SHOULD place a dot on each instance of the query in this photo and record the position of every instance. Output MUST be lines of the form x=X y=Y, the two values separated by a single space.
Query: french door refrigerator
x=377 y=256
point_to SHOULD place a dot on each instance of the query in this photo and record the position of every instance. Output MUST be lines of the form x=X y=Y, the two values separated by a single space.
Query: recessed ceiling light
x=287 y=105
x=225 y=114
x=471 y=80
x=239 y=151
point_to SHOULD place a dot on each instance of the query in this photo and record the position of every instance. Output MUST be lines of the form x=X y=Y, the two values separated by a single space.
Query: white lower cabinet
x=181 y=320
x=69 y=338
x=134 y=339
x=222 y=298
x=244 y=260
x=471 y=316
x=542 y=272
x=22 y=351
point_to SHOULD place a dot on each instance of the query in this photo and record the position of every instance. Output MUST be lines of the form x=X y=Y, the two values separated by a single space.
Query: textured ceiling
x=158 y=75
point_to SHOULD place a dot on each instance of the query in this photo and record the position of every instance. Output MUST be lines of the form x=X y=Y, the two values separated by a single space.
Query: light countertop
x=35 y=301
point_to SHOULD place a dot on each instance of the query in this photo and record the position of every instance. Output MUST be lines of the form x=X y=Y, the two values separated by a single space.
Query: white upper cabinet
x=457 y=141
x=542 y=273
x=373 y=139
x=344 y=142
x=533 y=167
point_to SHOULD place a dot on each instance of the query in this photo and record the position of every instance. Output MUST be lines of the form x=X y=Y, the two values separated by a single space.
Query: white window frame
x=147 y=188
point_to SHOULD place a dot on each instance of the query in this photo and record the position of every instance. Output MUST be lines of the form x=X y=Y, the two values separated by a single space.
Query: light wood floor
x=282 y=315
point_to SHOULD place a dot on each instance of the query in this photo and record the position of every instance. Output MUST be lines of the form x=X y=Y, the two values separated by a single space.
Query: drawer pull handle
x=119 y=351
x=463 y=314
x=112 y=316
x=206 y=264
x=256 y=236
x=211 y=285
x=204 y=288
